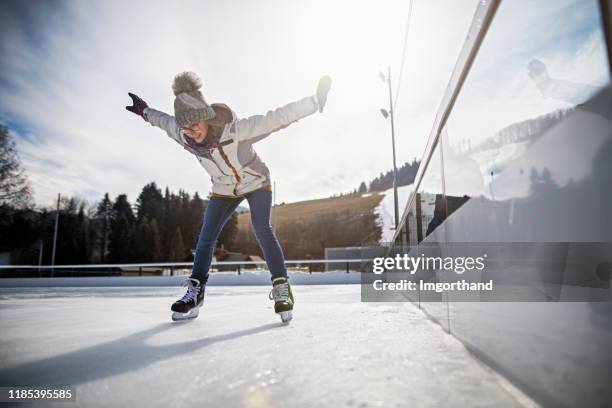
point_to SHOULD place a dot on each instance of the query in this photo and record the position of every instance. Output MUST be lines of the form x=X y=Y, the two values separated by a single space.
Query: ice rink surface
x=118 y=347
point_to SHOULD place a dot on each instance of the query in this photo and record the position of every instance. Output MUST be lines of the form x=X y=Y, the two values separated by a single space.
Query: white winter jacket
x=234 y=167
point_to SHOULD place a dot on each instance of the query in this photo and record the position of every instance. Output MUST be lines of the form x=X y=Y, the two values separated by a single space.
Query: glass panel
x=411 y=225
x=430 y=204
x=528 y=149
x=430 y=214
x=529 y=133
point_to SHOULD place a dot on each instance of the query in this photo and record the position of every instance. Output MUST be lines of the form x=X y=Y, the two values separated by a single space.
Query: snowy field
x=386 y=210
x=118 y=347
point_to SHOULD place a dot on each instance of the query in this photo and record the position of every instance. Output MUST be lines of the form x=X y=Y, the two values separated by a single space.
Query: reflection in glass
x=530 y=128
x=524 y=85
x=430 y=205
x=563 y=90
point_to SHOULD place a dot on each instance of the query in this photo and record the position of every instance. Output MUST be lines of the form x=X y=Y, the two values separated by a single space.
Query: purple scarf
x=203 y=149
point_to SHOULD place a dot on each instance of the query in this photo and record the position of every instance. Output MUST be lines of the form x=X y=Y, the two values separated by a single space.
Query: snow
x=118 y=347
x=386 y=211
x=488 y=160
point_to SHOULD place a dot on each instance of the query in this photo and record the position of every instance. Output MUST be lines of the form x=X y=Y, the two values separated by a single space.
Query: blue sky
x=67 y=67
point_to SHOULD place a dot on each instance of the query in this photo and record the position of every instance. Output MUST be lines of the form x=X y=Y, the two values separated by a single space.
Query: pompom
x=186 y=82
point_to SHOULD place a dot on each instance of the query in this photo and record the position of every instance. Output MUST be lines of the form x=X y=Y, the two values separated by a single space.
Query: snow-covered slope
x=386 y=212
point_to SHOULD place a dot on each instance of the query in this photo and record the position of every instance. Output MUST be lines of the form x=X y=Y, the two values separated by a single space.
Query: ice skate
x=283 y=299
x=188 y=307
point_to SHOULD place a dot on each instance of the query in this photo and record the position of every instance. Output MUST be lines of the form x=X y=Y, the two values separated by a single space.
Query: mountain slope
x=306 y=228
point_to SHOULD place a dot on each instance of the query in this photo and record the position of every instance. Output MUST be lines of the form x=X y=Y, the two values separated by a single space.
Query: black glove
x=138 y=106
x=322 y=91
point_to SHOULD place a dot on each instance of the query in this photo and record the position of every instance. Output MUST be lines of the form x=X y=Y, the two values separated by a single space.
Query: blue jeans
x=218 y=212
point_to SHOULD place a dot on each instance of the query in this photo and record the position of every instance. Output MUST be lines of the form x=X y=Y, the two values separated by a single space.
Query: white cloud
x=69 y=93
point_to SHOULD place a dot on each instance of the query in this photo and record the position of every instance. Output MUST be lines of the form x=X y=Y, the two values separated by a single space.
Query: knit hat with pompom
x=189 y=104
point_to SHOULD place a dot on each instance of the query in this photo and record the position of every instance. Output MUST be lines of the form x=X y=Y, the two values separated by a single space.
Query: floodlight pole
x=391 y=113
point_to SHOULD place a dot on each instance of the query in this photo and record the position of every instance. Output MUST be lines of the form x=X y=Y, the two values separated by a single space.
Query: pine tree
x=165 y=224
x=72 y=229
x=82 y=244
x=155 y=250
x=104 y=214
x=193 y=218
x=122 y=207
x=150 y=203
x=228 y=234
x=139 y=240
x=122 y=230
x=177 y=249
x=120 y=246
x=146 y=242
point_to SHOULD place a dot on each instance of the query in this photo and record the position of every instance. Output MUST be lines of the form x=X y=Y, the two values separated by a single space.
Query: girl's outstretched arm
x=155 y=117
x=164 y=121
x=259 y=126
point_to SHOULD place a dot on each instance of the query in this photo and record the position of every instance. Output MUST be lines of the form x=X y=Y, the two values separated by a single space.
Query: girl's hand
x=138 y=106
x=323 y=90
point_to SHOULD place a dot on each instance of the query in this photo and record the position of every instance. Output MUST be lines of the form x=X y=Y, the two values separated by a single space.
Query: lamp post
x=386 y=114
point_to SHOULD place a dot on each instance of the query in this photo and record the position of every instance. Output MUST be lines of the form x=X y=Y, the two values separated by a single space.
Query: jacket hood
x=223 y=115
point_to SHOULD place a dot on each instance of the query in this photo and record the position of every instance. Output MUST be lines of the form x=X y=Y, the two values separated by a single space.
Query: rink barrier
x=248 y=278
x=158 y=264
x=170 y=269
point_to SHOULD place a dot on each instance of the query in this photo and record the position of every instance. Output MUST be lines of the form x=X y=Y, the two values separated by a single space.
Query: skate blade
x=192 y=314
x=286 y=316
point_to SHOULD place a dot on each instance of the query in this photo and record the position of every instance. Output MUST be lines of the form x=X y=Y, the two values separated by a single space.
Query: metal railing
x=109 y=269
x=480 y=25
